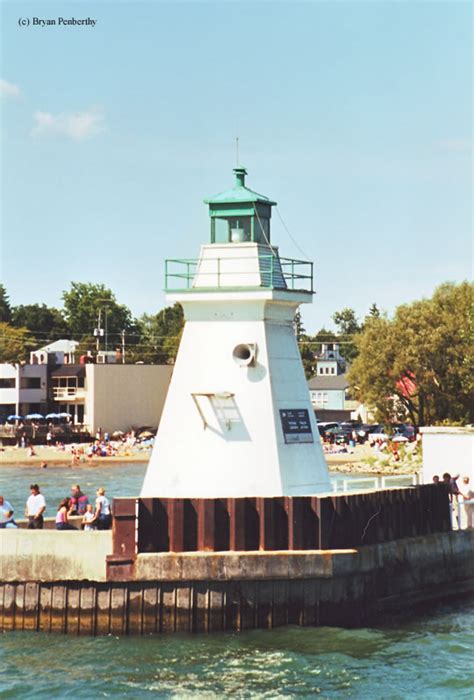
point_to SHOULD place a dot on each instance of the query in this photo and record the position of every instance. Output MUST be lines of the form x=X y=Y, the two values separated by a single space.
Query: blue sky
x=355 y=117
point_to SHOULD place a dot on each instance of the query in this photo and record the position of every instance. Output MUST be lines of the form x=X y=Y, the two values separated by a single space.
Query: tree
x=5 y=308
x=300 y=330
x=348 y=327
x=15 y=343
x=85 y=303
x=421 y=361
x=45 y=323
x=160 y=335
x=374 y=311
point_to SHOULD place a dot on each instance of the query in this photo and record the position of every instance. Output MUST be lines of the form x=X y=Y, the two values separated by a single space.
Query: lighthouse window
x=235 y=229
x=262 y=230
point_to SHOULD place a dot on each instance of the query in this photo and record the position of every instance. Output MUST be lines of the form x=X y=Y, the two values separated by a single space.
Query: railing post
x=218 y=272
x=120 y=563
x=175 y=509
x=236 y=510
x=292 y=274
x=206 y=525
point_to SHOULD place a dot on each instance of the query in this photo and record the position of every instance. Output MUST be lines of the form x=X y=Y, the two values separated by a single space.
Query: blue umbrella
x=34 y=416
x=15 y=418
x=64 y=415
x=52 y=415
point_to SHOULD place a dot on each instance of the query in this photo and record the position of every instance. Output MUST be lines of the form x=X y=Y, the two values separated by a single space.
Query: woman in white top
x=103 y=513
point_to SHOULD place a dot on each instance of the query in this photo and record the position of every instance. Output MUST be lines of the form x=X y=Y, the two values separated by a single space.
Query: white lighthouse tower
x=238 y=419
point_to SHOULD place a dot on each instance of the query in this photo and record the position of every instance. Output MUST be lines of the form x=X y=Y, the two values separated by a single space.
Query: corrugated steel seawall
x=206 y=592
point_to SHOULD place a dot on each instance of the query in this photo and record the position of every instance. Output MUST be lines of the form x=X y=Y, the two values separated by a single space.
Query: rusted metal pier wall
x=205 y=592
x=146 y=525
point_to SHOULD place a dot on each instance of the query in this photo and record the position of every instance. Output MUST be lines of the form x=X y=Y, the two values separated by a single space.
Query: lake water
x=420 y=657
x=118 y=479
x=55 y=482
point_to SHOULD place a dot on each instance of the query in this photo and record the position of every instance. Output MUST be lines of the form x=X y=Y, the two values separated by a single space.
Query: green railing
x=181 y=274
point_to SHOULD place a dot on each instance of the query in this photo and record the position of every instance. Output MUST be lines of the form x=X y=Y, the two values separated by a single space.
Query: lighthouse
x=238 y=420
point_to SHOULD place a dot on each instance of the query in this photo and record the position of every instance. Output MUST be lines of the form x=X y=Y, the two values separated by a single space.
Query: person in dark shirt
x=78 y=501
x=450 y=482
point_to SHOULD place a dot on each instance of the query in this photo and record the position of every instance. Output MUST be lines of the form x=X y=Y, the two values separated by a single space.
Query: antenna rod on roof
x=237 y=151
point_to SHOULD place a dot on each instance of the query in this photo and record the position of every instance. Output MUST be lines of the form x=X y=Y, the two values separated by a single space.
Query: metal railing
x=374 y=483
x=62 y=393
x=232 y=272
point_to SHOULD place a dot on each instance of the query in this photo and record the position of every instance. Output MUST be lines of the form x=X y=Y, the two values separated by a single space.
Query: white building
x=448 y=449
x=110 y=396
x=23 y=389
x=58 y=353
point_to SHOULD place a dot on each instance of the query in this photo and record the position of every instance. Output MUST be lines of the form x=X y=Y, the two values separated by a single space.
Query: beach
x=359 y=460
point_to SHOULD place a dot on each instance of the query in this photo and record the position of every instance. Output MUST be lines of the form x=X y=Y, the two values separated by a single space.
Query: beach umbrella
x=52 y=415
x=34 y=416
x=15 y=418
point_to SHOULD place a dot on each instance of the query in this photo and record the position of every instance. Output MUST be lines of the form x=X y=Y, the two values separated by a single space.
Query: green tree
x=45 y=323
x=374 y=311
x=15 y=343
x=85 y=303
x=348 y=327
x=5 y=308
x=421 y=361
x=160 y=335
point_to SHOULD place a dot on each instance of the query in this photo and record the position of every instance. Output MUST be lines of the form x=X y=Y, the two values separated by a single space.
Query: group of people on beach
x=97 y=516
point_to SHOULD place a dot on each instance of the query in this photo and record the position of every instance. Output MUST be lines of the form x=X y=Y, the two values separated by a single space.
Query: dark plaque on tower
x=296 y=425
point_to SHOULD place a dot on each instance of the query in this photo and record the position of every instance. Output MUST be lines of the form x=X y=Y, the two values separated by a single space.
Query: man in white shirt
x=35 y=507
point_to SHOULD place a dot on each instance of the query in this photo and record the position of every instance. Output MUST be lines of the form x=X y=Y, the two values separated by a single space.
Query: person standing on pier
x=103 y=513
x=35 y=507
x=78 y=501
x=6 y=514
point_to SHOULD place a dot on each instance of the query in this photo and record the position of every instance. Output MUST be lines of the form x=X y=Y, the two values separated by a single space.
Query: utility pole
x=105 y=329
x=99 y=332
x=123 y=346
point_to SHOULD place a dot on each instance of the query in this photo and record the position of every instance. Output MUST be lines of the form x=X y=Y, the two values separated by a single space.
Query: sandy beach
x=355 y=461
x=18 y=456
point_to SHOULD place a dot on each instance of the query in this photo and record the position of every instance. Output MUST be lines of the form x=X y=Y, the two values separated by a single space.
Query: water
x=422 y=657
x=118 y=479
x=55 y=482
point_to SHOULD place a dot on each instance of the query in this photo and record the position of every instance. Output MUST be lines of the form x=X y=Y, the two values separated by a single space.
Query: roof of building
x=337 y=381
x=63 y=345
x=69 y=371
x=239 y=193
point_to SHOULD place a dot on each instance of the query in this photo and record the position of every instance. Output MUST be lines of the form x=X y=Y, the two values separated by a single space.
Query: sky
x=356 y=117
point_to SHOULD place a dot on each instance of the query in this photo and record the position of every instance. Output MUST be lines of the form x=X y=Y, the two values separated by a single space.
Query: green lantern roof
x=239 y=193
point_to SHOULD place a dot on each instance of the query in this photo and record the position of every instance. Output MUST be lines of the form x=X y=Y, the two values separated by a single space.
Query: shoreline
x=343 y=463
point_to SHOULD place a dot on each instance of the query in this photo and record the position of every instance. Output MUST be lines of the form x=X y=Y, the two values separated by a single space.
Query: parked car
x=396 y=432
x=342 y=435
x=325 y=428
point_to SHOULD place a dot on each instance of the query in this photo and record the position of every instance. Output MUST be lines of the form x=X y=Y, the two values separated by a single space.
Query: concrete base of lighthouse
x=234 y=426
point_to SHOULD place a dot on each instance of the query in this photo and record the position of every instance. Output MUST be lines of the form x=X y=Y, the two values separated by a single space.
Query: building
x=110 y=396
x=330 y=361
x=328 y=392
x=97 y=393
x=58 y=353
x=23 y=390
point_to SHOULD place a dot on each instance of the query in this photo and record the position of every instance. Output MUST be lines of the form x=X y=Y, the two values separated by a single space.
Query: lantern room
x=240 y=215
